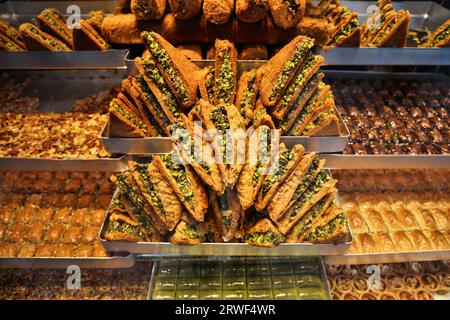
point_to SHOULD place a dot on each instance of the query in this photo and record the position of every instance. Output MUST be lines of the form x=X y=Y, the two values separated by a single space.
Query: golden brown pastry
x=287 y=13
x=402 y=242
x=384 y=241
x=437 y=239
x=356 y=222
x=366 y=243
x=421 y=242
x=251 y=10
x=185 y=9
x=148 y=9
x=217 y=11
x=374 y=220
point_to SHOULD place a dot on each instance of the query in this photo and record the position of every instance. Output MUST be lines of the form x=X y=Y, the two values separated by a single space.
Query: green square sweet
x=188 y=283
x=231 y=271
x=165 y=284
x=210 y=284
x=234 y=295
x=187 y=295
x=308 y=280
x=285 y=294
x=167 y=271
x=234 y=283
x=282 y=269
x=211 y=271
x=258 y=270
x=311 y=294
x=281 y=282
x=307 y=266
x=260 y=295
x=210 y=295
x=163 y=295
x=256 y=283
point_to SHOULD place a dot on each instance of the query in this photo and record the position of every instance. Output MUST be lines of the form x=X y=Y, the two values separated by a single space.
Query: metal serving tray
x=167 y=249
x=17 y=12
x=113 y=262
x=319 y=260
x=163 y=145
x=390 y=257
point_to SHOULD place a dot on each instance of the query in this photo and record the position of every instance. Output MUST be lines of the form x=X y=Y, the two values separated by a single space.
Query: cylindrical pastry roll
x=342 y=283
x=430 y=282
x=386 y=296
x=417 y=267
x=148 y=9
x=405 y=295
x=368 y=296
x=218 y=11
x=394 y=281
x=360 y=284
x=253 y=52
x=185 y=9
x=413 y=282
x=287 y=13
x=423 y=295
x=251 y=10
x=191 y=51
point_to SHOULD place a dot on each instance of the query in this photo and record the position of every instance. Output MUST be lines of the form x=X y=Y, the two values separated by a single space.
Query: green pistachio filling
x=154 y=74
x=137 y=123
x=148 y=94
x=270 y=180
x=47 y=15
x=327 y=229
x=346 y=31
x=148 y=115
x=225 y=81
x=178 y=172
x=443 y=35
x=313 y=188
x=11 y=47
x=308 y=87
x=163 y=60
x=290 y=67
x=264 y=237
x=264 y=148
x=298 y=82
x=122 y=227
x=134 y=197
x=321 y=117
x=51 y=42
x=219 y=117
x=307 y=179
x=383 y=33
x=312 y=214
x=190 y=232
x=247 y=96
x=310 y=106
x=150 y=188
x=209 y=81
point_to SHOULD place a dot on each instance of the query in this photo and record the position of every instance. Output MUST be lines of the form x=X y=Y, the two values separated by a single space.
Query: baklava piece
x=356 y=222
x=36 y=232
x=8 y=249
x=46 y=215
x=90 y=234
x=64 y=250
x=72 y=185
x=54 y=233
x=103 y=201
x=384 y=241
x=45 y=250
x=420 y=241
x=72 y=235
x=97 y=217
x=25 y=214
x=84 y=250
x=86 y=201
x=62 y=215
x=402 y=242
x=80 y=217
x=26 y=250
x=16 y=232
x=89 y=187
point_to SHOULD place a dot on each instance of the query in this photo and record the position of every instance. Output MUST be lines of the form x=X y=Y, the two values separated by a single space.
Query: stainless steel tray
x=319 y=260
x=369 y=258
x=157 y=145
x=163 y=145
x=116 y=261
x=17 y=12
x=26 y=164
x=167 y=249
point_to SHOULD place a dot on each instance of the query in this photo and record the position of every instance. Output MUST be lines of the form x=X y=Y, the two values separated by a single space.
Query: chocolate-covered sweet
x=358 y=148
x=436 y=136
x=407 y=102
x=424 y=123
x=396 y=123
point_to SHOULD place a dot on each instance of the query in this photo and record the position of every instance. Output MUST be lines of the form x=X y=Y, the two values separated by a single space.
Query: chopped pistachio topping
x=178 y=172
x=327 y=229
x=225 y=81
x=265 y=237
x=270 y=180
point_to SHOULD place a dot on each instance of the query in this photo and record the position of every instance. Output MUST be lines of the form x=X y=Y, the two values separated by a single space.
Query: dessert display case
x=65 y=199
